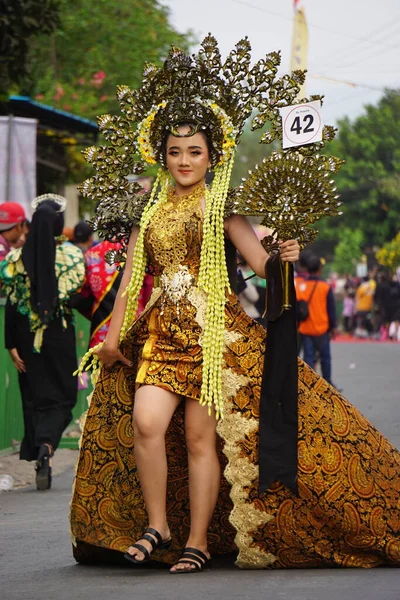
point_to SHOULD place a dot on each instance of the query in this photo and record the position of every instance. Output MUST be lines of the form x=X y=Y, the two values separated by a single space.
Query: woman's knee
x=152 y=413
x=200 y=442
x=146 y=429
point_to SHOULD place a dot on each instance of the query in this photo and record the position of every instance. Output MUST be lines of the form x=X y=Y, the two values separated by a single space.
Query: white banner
x=18 y=161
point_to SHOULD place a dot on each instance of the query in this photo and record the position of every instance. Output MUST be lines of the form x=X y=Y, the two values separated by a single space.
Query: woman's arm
x=242 y=235
x=109 y=352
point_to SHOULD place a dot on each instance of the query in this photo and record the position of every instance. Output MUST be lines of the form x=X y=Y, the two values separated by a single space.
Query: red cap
x=11 y=213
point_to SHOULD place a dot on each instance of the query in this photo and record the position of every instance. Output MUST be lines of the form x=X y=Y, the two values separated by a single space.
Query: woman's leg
x=204 y=474
x=152 y=413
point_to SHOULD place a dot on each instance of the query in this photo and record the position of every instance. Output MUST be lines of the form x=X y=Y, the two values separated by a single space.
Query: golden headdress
x=211 y=96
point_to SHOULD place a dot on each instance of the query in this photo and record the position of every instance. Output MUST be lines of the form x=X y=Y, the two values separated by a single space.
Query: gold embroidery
x=232 y=382
x=166 y=235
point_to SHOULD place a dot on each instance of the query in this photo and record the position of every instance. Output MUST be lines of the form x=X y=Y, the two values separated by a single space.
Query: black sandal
x=43 y=468
x=199 y=562
x=149 y=536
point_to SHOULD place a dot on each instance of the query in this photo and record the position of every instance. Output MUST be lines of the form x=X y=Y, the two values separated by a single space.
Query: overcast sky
x=354 y=41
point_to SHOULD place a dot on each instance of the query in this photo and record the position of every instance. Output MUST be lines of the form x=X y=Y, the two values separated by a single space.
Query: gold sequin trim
x=241 y=473
x=232 y=382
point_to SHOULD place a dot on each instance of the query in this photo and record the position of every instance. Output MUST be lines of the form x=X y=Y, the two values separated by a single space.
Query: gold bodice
x=173 y=239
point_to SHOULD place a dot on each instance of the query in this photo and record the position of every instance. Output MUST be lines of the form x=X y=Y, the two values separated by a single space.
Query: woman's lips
x=184 y=172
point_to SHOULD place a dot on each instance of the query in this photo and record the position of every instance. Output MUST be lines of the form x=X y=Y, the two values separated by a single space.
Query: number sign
x=301 y=124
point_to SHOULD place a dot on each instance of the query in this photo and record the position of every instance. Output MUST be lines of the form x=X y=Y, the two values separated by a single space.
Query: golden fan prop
x=290 y=190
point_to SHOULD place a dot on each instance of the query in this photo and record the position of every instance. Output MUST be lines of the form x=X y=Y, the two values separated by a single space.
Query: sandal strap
x=195 y=552
x=150 y=539
x=143 y=550
x=190 y=561
x=156 y=534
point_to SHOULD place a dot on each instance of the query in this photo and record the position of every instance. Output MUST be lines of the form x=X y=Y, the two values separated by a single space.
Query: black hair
x=313 y=264
x=303 y=258
x=82 y=232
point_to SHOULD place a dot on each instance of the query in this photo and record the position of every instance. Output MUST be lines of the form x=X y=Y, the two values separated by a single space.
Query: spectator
x=12 y=219
x=68 y=232
x=22 y=238
x=349 y=311
x=83 y=236
x=318 y=328
x=382 y=305
x=364 y=305
x=394 y=310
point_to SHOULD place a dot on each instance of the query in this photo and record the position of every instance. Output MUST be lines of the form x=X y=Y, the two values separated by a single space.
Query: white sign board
x=301 y=124
x=18 y=161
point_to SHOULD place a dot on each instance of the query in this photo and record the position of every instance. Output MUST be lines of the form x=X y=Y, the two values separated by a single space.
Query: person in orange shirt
x=317 y=329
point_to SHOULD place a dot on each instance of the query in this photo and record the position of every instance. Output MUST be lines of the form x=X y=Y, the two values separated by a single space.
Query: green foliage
x=348 y=251
x=369 y=181
x=100 y=45
x=250 y=153
x=20 y=22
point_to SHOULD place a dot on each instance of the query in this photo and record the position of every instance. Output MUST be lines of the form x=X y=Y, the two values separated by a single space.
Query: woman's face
x=187 y=159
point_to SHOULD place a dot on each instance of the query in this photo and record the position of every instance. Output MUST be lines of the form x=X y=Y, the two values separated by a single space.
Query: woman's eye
x=196 y=152
x=173 y=152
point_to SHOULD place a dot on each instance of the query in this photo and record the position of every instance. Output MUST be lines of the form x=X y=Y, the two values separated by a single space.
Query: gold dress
x=347 y=511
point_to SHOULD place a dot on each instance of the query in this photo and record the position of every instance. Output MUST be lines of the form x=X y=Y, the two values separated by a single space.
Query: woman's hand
x=289 y=251
x=110 y=355
x=17 y=360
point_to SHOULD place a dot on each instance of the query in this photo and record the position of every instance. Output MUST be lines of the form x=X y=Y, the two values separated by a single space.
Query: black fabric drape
x=38 y=256
x=279 y=389
x=230 y=254
x=48 y=387
x=10 y=327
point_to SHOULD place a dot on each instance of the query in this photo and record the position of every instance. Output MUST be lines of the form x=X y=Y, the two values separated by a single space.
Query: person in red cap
x=12 y=219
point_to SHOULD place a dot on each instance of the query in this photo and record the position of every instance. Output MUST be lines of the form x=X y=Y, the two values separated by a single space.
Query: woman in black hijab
x=39 y=280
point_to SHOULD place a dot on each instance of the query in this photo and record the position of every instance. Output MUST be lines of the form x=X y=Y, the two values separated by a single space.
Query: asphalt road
x=36 y=561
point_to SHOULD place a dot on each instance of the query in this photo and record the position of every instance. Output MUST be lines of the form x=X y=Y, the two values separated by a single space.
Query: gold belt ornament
x=176 y=285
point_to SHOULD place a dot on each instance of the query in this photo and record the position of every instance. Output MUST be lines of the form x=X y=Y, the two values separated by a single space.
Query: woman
x=39 y=280
x=191 y=369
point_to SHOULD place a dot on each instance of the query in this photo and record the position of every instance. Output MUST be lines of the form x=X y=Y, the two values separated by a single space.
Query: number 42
x=308 y=120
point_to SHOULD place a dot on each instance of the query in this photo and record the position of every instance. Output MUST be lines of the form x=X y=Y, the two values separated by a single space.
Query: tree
x=389 y=254
x=98 y=46
x=369 y=181
x=20 y=22
x=348 y=251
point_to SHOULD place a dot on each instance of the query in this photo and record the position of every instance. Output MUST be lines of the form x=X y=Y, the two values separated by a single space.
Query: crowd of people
x=371 y=305
x=365 y=307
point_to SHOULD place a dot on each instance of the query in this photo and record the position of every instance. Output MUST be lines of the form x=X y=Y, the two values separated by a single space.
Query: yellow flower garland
x=213 y=279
